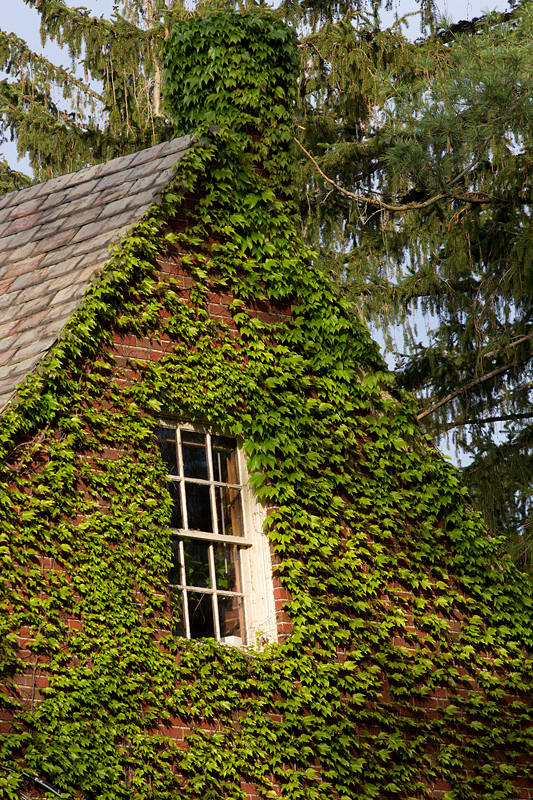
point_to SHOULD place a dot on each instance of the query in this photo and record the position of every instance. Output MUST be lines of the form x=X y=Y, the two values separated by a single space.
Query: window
x=220 y=579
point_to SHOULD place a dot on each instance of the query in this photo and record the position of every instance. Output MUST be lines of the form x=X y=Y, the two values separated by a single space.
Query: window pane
x=174 y=575
x=166 y=440
x=227 y=567
x=231 y=616
x=176 y=520
x=194 y=455
x=225 y=465
x=229 y=511
x=197 y=563
x=178 y=621
x=201 y=615
x=198 y=507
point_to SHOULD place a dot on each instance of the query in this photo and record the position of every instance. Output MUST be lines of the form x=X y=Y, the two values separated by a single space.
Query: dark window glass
x=201 y=615
x=174 y=576
x=176 y=521
x=227 y=567
x=229 y=511
x=178 y=615
x=225 y=465
x=231 y=617
x=194 y=455
x=166 y=439
x=198 y=507
x=205 y=565
x=197 y=563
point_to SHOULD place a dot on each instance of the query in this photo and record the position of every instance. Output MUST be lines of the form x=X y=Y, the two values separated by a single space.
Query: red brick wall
x=29 y=685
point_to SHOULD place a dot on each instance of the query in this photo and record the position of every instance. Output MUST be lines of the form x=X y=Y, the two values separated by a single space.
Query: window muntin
x=208 y=521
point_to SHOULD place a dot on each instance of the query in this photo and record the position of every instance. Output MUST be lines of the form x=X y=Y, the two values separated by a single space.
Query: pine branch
x=473 y=163
x=476 y=382
x=472 y=197
x=470 y=27
x=487 y=420
x=367 y=199
x=17 y=104
x=60 y=21
x=17 y=48
x=57 y=11
x=522 y=340
x=11 y=179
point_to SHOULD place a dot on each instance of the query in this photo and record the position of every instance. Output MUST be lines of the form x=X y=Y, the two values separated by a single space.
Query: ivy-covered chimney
x=235 y=74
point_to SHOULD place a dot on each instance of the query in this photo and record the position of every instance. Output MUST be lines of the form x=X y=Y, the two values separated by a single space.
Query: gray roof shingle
x=53 y=238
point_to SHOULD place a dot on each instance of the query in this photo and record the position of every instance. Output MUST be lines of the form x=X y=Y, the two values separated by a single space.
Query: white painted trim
x=261 y=626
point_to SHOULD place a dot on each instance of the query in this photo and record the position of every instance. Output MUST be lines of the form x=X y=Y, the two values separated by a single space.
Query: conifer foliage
x=471 y=263
x=419 y=198
x=63 y=122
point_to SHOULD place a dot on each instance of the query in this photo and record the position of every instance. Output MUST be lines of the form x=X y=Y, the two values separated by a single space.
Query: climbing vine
x=407 y=672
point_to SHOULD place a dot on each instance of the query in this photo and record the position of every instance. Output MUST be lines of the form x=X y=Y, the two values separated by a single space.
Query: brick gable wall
x=128 y=351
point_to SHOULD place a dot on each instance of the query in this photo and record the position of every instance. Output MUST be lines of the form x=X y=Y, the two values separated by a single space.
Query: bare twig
x=367 y=199
x=488 y=420
x=512 y=344
x=471 y=198
x=472 y=164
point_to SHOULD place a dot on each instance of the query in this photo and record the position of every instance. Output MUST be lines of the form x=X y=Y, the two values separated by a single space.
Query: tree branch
x=361 y=198
x=471 y=198
x=488 y=420
x=508 y=346
x=372 y=200
x=492 y=374
x=17 y=47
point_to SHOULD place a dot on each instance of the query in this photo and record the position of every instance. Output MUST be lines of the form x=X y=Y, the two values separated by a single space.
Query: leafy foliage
x=408 y=670
x=217 y=71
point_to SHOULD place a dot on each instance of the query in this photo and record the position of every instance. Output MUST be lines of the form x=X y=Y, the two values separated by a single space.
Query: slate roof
x=54 y=236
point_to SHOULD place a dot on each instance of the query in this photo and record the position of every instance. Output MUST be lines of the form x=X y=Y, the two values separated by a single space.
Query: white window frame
x=260 y=626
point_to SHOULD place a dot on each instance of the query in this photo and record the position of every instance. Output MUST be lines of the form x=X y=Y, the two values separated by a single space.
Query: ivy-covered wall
x=408 y=670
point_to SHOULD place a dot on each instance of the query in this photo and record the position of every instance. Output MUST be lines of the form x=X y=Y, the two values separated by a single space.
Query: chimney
x=232 y=77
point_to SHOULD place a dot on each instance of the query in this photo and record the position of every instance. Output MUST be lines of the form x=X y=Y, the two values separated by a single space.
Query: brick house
x=232 y=565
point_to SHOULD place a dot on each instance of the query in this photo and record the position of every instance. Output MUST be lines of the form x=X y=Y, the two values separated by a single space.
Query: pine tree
x=61 y=122
x=472 y=141
x=430 y=210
